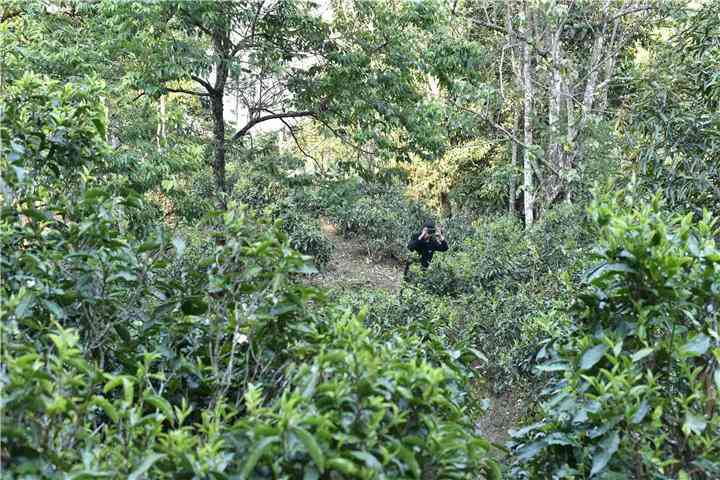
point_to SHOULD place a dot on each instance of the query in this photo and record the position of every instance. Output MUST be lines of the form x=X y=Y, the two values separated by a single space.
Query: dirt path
x=350 y=265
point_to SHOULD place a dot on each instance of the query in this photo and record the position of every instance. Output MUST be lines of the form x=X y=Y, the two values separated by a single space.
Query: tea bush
x=636 y=391
x=382 y=215
x=508 y=289
x=273 y=196
x=195 y=357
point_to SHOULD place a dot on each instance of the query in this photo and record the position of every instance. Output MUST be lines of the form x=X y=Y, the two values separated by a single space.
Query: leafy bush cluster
x=508 y=289
x=128 y=357
x=382 y=215
x=471 y=177
x=638 y=378
x=266 y=191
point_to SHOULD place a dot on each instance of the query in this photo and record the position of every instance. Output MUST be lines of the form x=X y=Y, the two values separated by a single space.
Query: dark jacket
x=426 y=248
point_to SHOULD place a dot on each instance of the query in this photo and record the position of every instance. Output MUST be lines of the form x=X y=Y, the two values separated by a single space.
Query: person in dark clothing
x=430 y=240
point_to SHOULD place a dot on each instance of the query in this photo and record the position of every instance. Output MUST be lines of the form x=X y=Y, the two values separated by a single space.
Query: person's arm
x=414 y=244
x=441 y=245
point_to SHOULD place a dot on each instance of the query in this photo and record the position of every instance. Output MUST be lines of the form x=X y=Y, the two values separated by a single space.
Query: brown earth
x=351 y=266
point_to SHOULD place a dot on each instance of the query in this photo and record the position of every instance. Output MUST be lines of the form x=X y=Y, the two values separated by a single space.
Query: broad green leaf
x=256 y=454
x=139 y=472
x=162 y=405
x=345 y=466
x=698 y=345
x=642 y=410
x=408 y=457
x=529 y=451
x=106 y=406
x=592 y=356
x=128 y=389
x=553 y=367
x=370 y=460
x=179 y=245
x=492 y=470
x=640 y=354
x=694 y=423
x=607 y=447
x=312 y=447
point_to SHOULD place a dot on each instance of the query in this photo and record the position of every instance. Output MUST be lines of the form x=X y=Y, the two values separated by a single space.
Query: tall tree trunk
x=554 y=102
x=220 y=44
x=160 y=134
x=512 y=197
x=528 y=184
x=219 y=139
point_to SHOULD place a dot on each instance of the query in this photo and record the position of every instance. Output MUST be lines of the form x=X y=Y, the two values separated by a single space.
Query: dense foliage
x=638 y=394
x=177 y=178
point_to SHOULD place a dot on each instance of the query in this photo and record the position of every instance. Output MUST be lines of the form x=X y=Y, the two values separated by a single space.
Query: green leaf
x=312 y=447
x=553 y=367
x=529 y=451
x=697 y=346
x=592 y=356
x=345 y=466
x=255 y=455
x=194 y=306
x=492 y=470
x=640 y=354
x=106 y=406
x=609 y=268
x=145 y=466
x=24 y=308
x=128 y=389
x=179 y=245
x=370 y=460
x=694 y=423
x=162 y=405
x=608 y=446
x=642 y=410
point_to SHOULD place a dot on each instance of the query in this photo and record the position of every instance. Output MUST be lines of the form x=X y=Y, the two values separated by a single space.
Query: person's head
x=430 y=226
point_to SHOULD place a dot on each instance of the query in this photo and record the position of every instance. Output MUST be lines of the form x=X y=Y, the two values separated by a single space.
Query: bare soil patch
x=351 y=266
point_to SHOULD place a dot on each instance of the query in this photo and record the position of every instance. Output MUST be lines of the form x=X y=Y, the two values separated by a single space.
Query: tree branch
x=297 y=144
x=189 y=92
x=202 y=82
x=240 y=133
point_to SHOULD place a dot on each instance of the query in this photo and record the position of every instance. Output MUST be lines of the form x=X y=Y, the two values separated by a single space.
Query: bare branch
x=204 y=83
x=240 y=133
x=189 y=92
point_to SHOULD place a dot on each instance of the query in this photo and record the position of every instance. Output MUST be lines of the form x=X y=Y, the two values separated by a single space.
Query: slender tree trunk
x=528 y=185
x=219 y=139
x=220 y=43
x=160 y=134
x=512 y=197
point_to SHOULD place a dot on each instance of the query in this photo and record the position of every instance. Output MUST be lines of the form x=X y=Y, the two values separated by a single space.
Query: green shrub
x=277 y=198
x=509 y=287
x=383 y=216
x=195 y=357
x=637 y=392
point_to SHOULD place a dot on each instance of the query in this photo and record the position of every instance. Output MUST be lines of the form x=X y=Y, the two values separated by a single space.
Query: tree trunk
x=528 y=186
x=160 y=134
x=220 y=43
x=219 y=140
x=512 y=197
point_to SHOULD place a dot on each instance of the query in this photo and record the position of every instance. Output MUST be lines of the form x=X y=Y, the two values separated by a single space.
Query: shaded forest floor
x=351 y=266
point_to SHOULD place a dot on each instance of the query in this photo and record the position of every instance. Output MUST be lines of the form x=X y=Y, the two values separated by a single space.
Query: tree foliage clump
x=637 y=383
